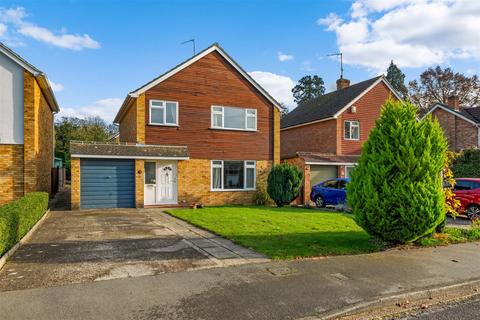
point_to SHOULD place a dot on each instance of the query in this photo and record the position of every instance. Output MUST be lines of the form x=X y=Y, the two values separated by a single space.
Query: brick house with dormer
x=27 y=108
x=324 y=136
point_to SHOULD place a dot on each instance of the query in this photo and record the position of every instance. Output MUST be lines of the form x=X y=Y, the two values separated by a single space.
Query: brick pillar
x=276 y=136
x=306 y=184
x=31 y=102
x=140 y=105
x=139 y=183
x=75 y=180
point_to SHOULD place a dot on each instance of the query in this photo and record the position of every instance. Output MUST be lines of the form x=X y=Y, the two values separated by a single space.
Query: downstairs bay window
x=233 y=175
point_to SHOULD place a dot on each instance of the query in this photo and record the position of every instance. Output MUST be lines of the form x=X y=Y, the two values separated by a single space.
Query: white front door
x=160 y=182
x=167 y=182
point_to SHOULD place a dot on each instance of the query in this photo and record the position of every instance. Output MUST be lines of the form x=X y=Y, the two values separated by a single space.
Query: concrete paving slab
x=92 y=245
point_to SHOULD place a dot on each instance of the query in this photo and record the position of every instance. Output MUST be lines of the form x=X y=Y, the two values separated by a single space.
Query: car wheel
x=319 y=202
x=473 y=212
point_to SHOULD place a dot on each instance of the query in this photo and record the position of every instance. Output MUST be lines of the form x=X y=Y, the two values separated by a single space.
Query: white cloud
x=282 y=57
x=16 y=17
x=414 y=33
x=280 y=87
x=3 y=29
x=104 y=108
x=56 y=87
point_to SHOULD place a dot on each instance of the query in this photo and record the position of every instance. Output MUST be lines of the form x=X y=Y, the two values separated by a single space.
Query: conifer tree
x=396 y=190
x=397 y=79
x=283 y=183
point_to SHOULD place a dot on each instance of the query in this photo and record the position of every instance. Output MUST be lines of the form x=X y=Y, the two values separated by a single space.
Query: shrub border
x=26 y=237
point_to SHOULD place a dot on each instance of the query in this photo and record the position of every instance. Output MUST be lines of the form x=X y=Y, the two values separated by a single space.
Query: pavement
x=92 y=245
x=298 y=289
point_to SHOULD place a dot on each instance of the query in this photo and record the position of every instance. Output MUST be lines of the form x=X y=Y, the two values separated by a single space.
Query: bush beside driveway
x=18 y=217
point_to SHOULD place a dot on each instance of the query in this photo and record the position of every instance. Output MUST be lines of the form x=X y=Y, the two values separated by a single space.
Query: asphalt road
x=465 y=310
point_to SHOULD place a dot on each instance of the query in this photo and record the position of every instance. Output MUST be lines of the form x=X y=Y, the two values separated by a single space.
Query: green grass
x=450 y=236
x=283 y=233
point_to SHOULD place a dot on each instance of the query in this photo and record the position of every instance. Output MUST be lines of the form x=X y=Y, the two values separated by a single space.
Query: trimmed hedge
x=18 y=217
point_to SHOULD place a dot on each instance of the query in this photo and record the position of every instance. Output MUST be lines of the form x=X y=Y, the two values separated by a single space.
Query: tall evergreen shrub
x=283 y=184
x=396 y=189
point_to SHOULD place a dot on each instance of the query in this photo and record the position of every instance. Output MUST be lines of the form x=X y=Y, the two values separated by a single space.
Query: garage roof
x=79 y=149
x=327 y=159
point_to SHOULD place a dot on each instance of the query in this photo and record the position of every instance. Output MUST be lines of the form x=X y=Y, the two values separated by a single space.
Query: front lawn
x=283 y=233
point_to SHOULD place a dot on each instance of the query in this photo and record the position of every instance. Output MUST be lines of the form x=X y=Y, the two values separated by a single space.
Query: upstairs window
x=352 y=130
x=233 y=118
x=163 y=113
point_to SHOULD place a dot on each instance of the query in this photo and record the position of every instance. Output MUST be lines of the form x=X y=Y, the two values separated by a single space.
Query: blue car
x=330 y=192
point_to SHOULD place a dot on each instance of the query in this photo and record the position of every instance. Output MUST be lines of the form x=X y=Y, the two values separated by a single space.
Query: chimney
x=453 y=102
x=342 y=83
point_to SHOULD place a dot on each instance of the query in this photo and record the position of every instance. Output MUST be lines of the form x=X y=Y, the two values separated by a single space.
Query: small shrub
x=396 y=189
x=467 y=164
x=18 y=217
x=283 y=184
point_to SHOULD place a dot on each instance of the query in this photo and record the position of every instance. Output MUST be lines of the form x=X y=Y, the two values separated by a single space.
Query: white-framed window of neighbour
x=352 y=130
x=234 y=118
x=233 y=175
x=348 y=170
x=164 y=113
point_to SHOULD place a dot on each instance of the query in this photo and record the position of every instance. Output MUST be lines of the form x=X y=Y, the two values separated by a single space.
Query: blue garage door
x=107 y=183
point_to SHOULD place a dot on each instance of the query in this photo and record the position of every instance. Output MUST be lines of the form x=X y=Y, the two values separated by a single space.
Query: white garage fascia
x=91 y=156
x=331 y=163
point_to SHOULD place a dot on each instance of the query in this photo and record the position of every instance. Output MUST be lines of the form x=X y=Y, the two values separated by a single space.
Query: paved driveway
x=92 y=245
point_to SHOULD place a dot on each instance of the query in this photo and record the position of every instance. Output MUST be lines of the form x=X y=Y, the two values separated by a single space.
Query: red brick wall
x=212 y=81
x=459 y=133
x=368 y=111
x=315 y=137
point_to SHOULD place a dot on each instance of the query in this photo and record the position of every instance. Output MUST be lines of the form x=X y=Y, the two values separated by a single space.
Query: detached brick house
x=203 y=132
x=27 y=107
x=460 y=125
x=324 y=136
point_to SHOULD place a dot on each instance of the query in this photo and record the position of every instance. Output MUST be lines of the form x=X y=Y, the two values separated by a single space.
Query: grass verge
x=450 y=236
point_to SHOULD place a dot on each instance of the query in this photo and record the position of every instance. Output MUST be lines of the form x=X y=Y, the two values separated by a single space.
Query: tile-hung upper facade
x=324 y=136
x=208 y=106
x=27 y=107
x=460 y=125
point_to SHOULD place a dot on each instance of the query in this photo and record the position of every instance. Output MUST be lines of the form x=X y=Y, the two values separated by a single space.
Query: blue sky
x=95 y=52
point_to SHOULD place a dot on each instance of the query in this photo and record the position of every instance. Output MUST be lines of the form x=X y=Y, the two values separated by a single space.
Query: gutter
x=307 y=123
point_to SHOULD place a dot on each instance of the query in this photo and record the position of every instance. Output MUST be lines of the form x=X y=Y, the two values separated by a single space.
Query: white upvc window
x=234 y=118
x=352 y=130
x=164 y=113
x=233 y=175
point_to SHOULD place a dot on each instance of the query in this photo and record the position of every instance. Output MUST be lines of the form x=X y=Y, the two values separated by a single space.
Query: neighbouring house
x=27 y=107
x=460 y=125
x=203 y=132
x=324 y=136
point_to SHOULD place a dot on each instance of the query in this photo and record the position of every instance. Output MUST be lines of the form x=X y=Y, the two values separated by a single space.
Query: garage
x=107 y=183
x=319 y=173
